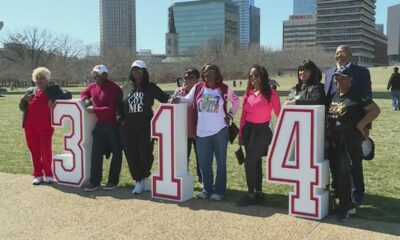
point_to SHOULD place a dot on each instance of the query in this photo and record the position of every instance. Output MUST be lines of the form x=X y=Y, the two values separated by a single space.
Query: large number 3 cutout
x=72 y=167
x=172 y=182
x=301 y=129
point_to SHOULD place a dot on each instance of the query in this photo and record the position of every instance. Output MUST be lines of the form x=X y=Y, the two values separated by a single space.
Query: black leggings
x=256 y=138
x=138 y=149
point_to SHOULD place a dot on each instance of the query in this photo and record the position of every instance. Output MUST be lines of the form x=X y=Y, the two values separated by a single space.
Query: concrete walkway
x=59 y=212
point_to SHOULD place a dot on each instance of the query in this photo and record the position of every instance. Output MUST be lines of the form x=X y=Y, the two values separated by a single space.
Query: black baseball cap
x=343 y=71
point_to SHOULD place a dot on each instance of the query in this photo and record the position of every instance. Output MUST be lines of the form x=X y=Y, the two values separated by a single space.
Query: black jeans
x=190 y=142
x=106 y=139
x=349 y=186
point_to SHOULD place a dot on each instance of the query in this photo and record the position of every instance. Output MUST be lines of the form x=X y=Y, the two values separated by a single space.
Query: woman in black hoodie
x=136 y=113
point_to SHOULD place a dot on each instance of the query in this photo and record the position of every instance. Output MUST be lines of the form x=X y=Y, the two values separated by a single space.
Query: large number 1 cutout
x=300 y=130
x=172 y=182
x=72 y=168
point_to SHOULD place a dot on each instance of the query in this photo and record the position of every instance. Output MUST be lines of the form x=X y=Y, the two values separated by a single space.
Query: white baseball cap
x=100 y=69
x=139 y=64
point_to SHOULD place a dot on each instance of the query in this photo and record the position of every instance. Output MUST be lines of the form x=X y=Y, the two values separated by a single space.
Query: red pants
x=39 y=144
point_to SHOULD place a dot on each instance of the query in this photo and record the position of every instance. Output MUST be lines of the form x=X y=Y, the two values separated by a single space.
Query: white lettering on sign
x=297 y=158
x=73 y=167
x=169 y=126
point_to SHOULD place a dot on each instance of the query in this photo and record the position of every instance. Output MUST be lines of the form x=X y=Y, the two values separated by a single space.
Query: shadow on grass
x=375 y=208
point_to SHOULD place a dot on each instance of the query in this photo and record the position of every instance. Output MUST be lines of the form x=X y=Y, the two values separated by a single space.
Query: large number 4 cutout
x=297 y=158
x=169 y=126
x=73 y=166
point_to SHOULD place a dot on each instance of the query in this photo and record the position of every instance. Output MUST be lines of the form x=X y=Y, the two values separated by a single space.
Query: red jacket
x=105 y=99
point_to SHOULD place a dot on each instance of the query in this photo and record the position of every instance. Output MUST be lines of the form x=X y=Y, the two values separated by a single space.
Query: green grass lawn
x=382 y=200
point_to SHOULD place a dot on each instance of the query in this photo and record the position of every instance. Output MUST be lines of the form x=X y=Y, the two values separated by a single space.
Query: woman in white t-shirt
x=211 y=119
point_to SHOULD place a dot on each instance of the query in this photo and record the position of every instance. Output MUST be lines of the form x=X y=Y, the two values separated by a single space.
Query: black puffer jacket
x=309 y=94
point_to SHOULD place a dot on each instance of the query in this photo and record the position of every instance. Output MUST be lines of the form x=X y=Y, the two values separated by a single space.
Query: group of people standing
x=124 y=115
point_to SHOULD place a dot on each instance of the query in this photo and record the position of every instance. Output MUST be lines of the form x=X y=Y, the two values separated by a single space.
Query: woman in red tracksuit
x=36 y=106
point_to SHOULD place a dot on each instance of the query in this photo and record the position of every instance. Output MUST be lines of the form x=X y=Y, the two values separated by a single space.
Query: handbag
x=239 y=155
x=233 y=132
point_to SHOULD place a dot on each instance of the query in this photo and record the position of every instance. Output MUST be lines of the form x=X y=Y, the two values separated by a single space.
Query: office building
x=393 y=33
x=118 y=25
x=249 y=22
x=350 y=22
x=304 y=7
x=198 y=22
x=299 y=32
x=254 y=26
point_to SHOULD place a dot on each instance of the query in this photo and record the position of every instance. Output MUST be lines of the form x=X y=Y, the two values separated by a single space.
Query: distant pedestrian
x=394 y=85
x=240 y=82
x=274 y=84
x=234 y=83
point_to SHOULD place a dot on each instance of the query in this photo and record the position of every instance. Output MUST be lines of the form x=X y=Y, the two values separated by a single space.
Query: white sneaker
x=352 y=211
x=146 y=184
x=37 y=180
x=138 y=187
x=216 y=197
x=48 y=180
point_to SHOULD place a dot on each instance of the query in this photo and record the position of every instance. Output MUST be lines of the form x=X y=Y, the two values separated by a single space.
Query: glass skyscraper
x=304 y=7
x=118 y=25
x=198 y=22
x=249 y=22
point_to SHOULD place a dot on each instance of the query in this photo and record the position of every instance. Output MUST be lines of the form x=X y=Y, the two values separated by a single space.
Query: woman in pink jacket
x=255 y=134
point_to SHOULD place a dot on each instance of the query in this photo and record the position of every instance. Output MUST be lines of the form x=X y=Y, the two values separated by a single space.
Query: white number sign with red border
x=73 y=167
x=169 y=126
x=296 y=158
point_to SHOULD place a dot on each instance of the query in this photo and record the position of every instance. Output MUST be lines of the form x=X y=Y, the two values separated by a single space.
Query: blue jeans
x=206 y=148
x=395 y=100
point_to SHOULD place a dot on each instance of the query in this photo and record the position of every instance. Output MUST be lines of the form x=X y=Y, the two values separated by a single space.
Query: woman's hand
x=90 y=109
x=363 y=130
x=51 y=104
x=240 y=140
x=173 y=100
x=28 y=98
x=289 y=102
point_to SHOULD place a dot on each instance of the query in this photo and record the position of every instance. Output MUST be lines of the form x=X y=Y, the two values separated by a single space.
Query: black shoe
x=110 y=187
x=247 y=201
x=342 y=216
x=92 y=188
x=259 y=197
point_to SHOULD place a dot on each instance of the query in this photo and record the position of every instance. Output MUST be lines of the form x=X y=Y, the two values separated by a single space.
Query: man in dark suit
x=361 y=83
x=361 y=77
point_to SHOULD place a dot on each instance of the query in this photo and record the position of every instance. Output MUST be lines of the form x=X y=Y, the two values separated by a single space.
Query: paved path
x=59 y=212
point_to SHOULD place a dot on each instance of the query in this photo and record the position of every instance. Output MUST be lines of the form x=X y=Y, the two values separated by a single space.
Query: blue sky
x=80 y=19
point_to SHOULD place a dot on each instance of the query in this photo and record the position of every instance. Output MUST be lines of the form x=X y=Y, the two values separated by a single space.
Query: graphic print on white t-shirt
x=209 y=103
x=211 y=114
